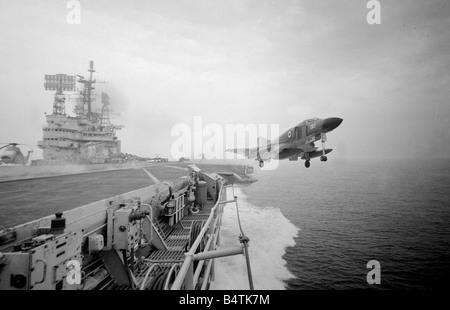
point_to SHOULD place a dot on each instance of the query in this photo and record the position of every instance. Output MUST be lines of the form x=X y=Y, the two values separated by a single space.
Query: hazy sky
x=236 y=61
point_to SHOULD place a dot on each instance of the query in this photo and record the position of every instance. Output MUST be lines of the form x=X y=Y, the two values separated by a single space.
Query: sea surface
x=318 y=228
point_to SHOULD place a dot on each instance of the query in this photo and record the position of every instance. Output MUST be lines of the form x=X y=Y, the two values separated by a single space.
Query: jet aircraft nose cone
x=331 y=123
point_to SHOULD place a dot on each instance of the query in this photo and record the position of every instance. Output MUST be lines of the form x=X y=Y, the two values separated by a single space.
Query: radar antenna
x=59 y=82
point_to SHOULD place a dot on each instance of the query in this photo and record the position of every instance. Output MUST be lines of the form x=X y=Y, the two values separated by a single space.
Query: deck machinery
x=165 y=236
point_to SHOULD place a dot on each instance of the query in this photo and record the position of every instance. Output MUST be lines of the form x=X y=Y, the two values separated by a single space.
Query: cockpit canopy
x=309 y=120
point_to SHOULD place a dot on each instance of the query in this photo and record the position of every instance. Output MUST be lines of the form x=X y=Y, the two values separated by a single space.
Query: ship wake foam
x=270 y=234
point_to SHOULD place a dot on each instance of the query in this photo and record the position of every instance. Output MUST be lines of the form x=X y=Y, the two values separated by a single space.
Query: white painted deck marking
x=179 y=168
x=151 y=176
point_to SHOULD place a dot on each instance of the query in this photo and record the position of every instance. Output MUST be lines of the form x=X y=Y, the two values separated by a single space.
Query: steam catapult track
x=165 y=236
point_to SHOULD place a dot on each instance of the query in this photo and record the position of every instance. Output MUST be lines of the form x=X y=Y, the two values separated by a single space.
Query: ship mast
x=59 y=104
x=88 y=88
x=105 y=120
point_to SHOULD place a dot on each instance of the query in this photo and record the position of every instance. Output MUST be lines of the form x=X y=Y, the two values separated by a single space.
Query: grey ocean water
x=348 y=213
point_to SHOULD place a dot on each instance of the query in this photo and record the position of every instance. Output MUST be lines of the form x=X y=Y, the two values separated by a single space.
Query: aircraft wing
x=243 y=152
x=264 y=152
x=249 y=153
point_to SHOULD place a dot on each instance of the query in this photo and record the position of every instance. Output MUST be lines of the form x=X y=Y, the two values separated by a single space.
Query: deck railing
x=189 y=277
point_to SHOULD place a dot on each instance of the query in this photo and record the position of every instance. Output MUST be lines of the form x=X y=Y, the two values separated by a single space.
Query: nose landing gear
x=307 y=163
x=261 y=164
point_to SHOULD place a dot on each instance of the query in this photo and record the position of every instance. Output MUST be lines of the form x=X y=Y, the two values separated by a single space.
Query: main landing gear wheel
x=307 y=164
x=323 y=139
x=261 y=164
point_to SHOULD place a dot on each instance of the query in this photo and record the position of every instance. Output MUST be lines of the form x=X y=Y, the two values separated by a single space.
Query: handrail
x=190 y=254
x=187 y=275
x=207 y=246
x=209 y=265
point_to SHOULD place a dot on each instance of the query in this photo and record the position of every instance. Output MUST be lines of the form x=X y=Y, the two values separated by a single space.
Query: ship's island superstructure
x=87 y=138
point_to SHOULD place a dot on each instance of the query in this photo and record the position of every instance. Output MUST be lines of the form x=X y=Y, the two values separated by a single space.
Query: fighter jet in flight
x=297 y=142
